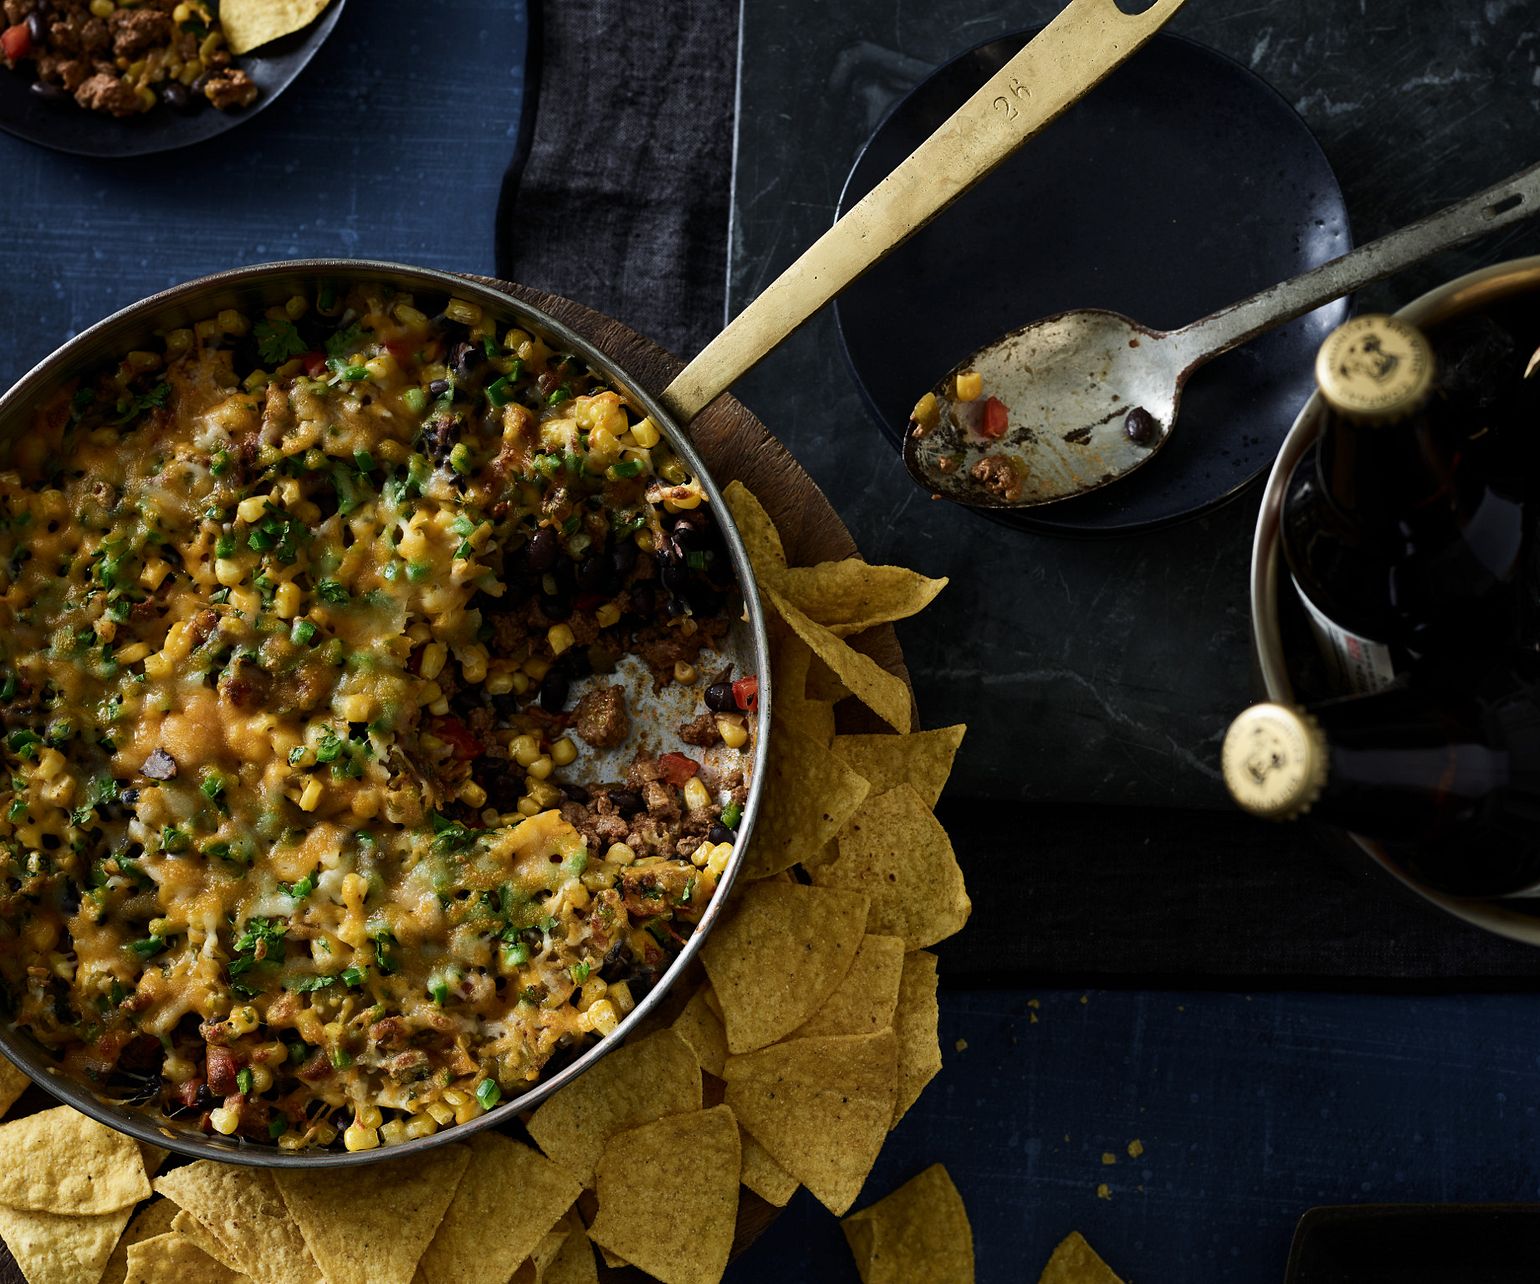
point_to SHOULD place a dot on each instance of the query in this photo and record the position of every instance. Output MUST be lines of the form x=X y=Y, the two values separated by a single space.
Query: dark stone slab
x=1098 y=672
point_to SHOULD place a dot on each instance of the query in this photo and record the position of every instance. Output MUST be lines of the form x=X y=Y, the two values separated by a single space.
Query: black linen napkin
x=622 y=198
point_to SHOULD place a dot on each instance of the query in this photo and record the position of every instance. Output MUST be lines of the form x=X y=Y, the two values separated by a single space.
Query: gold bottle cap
x=1274 y=761
x=1375 y=367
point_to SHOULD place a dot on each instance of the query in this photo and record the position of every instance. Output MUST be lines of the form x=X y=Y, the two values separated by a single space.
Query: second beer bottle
x=1399 y=547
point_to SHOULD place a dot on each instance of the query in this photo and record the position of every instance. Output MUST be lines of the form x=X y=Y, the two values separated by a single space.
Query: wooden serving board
x=736 y=447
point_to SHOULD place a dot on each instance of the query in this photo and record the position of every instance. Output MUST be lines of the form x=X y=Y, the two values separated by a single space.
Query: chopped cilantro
x=277 y=341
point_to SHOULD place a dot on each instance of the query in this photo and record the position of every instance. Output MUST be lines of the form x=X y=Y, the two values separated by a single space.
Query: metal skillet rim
x=67 y=360
x=1267 y=575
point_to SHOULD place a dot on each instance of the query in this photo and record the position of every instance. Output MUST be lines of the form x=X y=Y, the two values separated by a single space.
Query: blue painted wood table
x=1179 y=981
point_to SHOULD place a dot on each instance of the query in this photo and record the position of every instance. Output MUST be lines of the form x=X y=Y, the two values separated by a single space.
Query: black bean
x=438 y=387
x=623 y=557
x=573 y=791
x=627 y=802
x=673 y=575
x=719 y=833
x=719 y=698
x=689 y=538
x=1140 y=426
x=556 y=607
x=466 y=357
x=553 y=691
x=643 y=598
x=35 y=28
x=177 y=98
x=50 y=92
x=540 y=553
x=591 y=573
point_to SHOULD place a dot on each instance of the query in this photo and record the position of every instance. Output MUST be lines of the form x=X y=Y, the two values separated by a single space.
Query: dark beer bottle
x=1399 y=546
x=1450 y=783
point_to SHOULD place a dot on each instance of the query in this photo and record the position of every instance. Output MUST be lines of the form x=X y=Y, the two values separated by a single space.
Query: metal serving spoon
x=1076 y=401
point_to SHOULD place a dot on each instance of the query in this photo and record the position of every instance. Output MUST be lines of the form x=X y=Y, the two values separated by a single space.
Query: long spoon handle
x=1511 y=201
x=1069 y=57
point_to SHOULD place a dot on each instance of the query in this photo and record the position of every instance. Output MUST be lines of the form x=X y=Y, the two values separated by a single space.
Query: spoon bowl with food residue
x=1076 y=401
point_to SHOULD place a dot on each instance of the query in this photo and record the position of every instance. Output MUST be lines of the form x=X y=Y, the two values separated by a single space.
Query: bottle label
x=1357 y=664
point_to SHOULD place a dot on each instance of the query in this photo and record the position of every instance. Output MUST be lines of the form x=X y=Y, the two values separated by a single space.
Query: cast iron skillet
x=66 y=127
x=253 y=289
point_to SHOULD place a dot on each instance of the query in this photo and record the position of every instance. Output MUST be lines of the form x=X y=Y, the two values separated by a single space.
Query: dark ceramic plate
x=68 y=128
x=1417 y=1244
x=1181 y=184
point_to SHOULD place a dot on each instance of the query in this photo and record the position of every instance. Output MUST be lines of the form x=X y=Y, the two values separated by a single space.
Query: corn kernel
x=541 y=767
x=441 y=1112
x=394 y=1133
x=222 y=1120
x=620 y=995
x=178 y=341
x=564 y=752
x=408 y=315
x=926 y=413
x=464 y=312
x=380 y=368
x=645 y=434
x=700 y=856
x=734 y=734
x=593 y=990
x=970 y=384
x=261 y=1078
x=684 y=673
x=310 y=796
x=287 y=600
x=543 y=793
x=252 y=508
x=356 y=708
x=368 y=1115
x=432 y=663
x=560 y=637
x=499 y=683
x=537 y=668
x=525 y=749
x=673 y=473
x=521 y=683
x=602 y=1017
x=231 y=321
x=228 y=572
x=422 y=1126
x=102 y=8
x=133 y=653
x=528 y=807
x=243 y=1020
x=472 y=794
x=359 y=1138
x=695 y=795
x=607 y=615
x=620 y=854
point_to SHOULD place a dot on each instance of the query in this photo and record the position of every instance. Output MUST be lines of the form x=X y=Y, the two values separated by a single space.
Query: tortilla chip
x=763 y=1175
x=13 y=1082
x=914 y=1026
x=249 y=24
x=243 y=1213
x=506 y=1185
x=820 y=1107
x=1076 y=1262
x=153 y=1156
x=153 y=1219
x=167 y=1258
x=574 y=1263
x=919 y=1232
x=59 y=1248
x=635 y=1084
x=371 y=1225
x=895 y=848
x=760 y=538
x=534 y=1267
x=809 y=796
x=777 y=954
x=793 y=706
x=847 y=597
x=185 y=1224
x=863 y=1002
x=702 y=1029
x=884 y=693
x=61 y=1161
x=922 y=759
x=668 y=1196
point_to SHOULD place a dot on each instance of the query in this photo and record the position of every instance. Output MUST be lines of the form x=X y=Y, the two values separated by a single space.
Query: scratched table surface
x=1149 y=969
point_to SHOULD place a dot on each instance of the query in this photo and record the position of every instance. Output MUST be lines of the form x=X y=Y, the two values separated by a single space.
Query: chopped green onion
x=416 y=400
x=418 y=571
x=557 y=397
x=224 y=546
x=353 y=976
x=579 y=972
x=355 y=374
x=626 y=468
x=732 y=814
x=488 y=1093
x=219 y=463
x=364 y=461
x=460 y=458
x=515 y=954
x=149 y=947
x=500 y=391
x=302 y=632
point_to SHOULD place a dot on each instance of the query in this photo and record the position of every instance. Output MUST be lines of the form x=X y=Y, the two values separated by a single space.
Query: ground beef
x=69 y=72
x=701 y=731
x=134 y=31
x=231 y=88
x=661 y=647
x=600 y=718
x=599 y=828
x=79 y=33
x=104 y=92
x=999 y=476
x=509 y=633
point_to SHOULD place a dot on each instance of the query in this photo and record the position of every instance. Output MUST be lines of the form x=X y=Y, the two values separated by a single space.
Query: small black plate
x=66 y=127
x=1417 y=1244
x=1180 y=185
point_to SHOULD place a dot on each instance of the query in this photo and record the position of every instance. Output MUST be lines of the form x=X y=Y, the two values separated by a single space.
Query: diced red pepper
x=995 y=418
x=746 y=693
x=16 y=41
x=315 y=364
x=401 y=349
x=677 y=769
x=458 y=737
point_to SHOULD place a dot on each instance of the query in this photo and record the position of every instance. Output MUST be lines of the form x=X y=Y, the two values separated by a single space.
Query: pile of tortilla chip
x=784 y=1060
